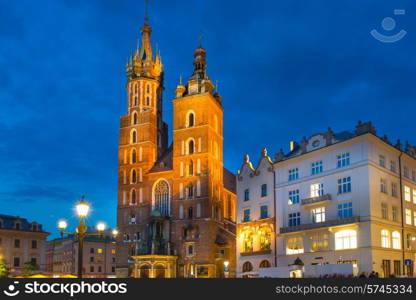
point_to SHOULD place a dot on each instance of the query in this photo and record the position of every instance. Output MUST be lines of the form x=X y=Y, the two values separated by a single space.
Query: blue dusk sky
x=286 y=69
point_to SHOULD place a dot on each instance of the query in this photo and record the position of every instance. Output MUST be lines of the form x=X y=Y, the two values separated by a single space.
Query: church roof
x=164 y=163
x=229 y=180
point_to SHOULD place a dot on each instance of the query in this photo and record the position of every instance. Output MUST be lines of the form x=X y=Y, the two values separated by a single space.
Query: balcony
x=329 y=223
x=259 y=252
x=324 y=199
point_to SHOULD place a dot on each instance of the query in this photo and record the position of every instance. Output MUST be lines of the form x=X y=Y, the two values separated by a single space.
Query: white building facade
x=347 y=198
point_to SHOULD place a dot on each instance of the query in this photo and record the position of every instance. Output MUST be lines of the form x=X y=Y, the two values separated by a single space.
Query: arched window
x=133 y=176
x=396 y=240
x=135 y=100
x=191 y=119
x=265 y=264
x=136 y=88
x=133 y=199
x=133 y=156
x=161 y=197
x=148 y=101
x=148 y=88
x=385 y=238
x=144 y=271
x=191 y=147
x=247 y=267
x=247 y=241
x=135 y=118
x=190 y=212
x=265 y=236
x=191 y=168
x=190 y=191
x=133 y=136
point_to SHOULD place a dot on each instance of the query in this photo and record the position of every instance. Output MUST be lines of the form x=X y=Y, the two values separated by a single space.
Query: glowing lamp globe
x=115 y=232
x=62 y=224
x=82 y=208
x=101 y=226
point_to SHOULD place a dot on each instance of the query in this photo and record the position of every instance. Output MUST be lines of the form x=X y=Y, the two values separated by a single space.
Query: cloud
x=34 y=193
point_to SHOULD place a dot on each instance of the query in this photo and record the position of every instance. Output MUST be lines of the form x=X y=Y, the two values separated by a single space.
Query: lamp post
x=226 y=269
x=82 y=209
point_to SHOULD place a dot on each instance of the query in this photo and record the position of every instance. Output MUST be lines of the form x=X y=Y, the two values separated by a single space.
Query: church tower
x=200 y=201
x=143 y=138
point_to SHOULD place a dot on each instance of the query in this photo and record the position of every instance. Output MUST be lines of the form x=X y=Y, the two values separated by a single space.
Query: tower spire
x=146 y=46
x=146 y=14
x=200 y=41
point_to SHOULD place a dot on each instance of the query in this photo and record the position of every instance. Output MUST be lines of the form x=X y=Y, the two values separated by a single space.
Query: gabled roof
x=254 y=171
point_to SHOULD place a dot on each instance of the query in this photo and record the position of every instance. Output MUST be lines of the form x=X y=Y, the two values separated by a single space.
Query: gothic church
x=176 y=203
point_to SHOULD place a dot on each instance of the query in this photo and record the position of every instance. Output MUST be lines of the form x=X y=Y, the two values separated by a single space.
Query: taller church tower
x=176 y=205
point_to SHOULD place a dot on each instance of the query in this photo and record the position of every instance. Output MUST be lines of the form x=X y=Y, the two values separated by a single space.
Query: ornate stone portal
x=154 y=266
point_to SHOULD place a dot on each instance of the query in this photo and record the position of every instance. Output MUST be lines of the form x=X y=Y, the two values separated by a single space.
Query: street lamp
x=100 y=227
x=82 y=208
x=226 y=270
x=62 y=226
